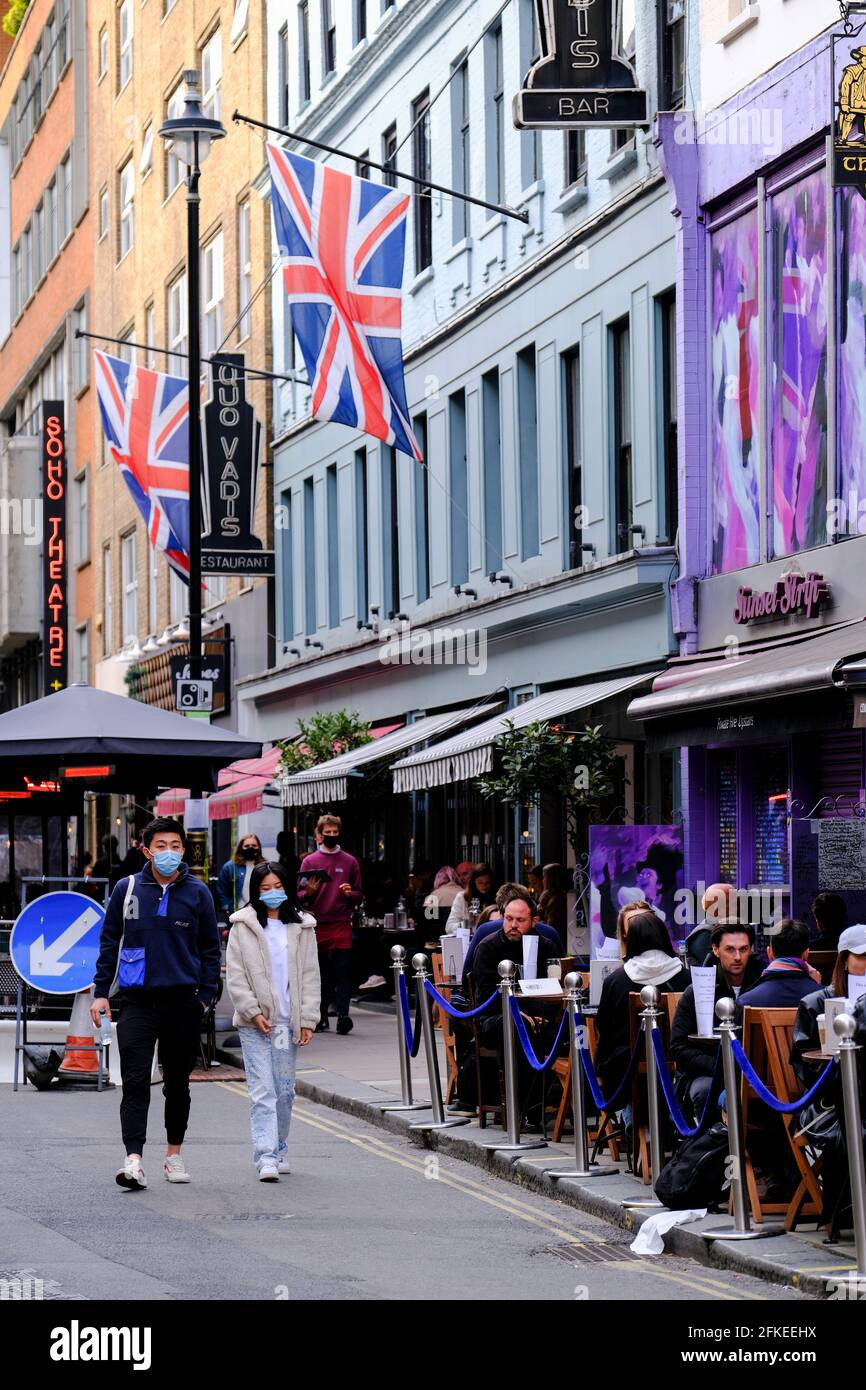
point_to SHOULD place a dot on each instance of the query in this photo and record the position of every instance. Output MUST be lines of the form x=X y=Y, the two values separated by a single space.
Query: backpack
x=695 y=1176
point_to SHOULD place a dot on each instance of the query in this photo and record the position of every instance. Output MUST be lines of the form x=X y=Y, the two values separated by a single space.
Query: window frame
x=129 y=584
x=124 y=47
x=422 y=168
x=211 y=94
x=125 y=209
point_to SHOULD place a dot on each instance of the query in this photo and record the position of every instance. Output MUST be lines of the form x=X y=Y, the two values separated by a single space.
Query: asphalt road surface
x=364 y=1215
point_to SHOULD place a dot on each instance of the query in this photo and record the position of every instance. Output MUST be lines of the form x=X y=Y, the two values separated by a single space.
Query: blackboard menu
x=829 y=856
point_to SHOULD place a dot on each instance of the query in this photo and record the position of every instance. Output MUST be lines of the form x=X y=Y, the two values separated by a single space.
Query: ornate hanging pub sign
x=580 y=81
x=848 y=94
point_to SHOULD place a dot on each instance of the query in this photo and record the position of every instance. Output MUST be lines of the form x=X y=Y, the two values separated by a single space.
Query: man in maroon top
x=333 y=890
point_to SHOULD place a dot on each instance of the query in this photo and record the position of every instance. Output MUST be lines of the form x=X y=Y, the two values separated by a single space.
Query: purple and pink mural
x=851 y=273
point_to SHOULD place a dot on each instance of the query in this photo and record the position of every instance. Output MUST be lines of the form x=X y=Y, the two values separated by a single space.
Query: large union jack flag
x=342 y=241
x=145 y=416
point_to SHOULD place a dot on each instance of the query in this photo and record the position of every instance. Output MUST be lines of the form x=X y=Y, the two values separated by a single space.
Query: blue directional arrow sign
x=55 y=942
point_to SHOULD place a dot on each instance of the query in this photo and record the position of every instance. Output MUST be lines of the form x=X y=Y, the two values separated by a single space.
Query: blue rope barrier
x=592 y=1079
x=412 y=1036
x=679 y=1119
x=457 y=1013
x=766 y=1096
x=528 y=1049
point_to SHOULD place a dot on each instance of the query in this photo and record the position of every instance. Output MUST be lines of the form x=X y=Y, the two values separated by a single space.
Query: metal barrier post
x=431 y=1055
x=845 y=1028
x=650 y=1014
x=742 y=1228
x=398 y=956
x=582 y=1166
x=514 y=1143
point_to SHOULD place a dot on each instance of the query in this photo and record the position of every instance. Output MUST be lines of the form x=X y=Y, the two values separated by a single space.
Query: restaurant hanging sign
x=801 y=595
x=848 y=89
x=55 y=566
x=581 y=81
x=232 y=440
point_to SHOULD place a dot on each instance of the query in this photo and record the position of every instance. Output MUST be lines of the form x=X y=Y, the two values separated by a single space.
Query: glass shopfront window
x=749 y=816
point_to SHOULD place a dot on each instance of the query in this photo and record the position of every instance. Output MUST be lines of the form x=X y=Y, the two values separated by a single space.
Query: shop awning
x=247 y=780
x=328 y=781
x=790 y=668
x=471 y=754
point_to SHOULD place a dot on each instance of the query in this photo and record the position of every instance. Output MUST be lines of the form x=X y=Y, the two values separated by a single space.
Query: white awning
x=470 y=754
x=327 y=782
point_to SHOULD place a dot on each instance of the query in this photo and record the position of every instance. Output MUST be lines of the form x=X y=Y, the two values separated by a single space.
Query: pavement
x=359 y=1073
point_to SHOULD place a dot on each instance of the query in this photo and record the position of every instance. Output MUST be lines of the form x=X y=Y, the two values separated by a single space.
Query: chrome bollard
x=398 y=956
x=514 y=1143
x=742 y=1228
x=845 y=1028
x=650 y=1014
x=439 y=1121
x=582 y=1166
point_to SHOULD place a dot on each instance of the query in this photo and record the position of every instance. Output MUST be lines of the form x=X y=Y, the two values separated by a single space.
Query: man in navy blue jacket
x=789 y=977
x=160 y=940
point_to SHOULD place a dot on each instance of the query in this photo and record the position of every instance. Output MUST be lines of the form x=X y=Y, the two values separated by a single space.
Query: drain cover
x=600 y=1252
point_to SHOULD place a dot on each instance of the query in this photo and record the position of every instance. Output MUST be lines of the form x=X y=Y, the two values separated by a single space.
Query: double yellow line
x=512 y=1206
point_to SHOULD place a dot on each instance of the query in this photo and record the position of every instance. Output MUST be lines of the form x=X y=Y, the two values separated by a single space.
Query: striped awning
x=328 y=781
x=470 y=754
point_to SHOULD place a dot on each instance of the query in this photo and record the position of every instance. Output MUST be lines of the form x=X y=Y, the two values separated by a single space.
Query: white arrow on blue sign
x=55 y=942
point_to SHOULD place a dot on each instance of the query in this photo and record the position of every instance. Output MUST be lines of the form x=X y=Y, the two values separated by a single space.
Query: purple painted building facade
x=771 y=327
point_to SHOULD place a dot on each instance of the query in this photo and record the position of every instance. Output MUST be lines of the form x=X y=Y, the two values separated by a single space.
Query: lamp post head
x=192 y=133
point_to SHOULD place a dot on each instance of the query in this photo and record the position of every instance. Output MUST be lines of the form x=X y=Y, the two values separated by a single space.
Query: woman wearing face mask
x=272 y=974
x=233 y=884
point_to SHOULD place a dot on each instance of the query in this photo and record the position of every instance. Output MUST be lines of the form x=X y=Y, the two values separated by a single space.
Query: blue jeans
x=269 y=1062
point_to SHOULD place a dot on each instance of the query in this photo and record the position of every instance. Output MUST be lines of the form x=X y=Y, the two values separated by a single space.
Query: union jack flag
x=342 y=241
x=145 y=416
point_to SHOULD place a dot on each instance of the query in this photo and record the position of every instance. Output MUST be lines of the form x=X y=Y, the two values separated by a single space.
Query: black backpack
x=695 y=1176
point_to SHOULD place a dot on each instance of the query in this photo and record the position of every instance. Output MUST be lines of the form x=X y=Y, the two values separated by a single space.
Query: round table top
x=703 y=1037
x=816 y=1055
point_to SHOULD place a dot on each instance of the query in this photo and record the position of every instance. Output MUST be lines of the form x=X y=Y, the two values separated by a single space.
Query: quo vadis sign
x=580 y=80
x=803 y=595
x=848 y=86
x=232 y=445
x=55 y=561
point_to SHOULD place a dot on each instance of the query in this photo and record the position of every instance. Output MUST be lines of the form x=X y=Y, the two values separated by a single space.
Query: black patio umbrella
x=83 y=738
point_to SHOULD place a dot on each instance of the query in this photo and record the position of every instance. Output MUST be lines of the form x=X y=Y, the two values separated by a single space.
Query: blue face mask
x=274 y=897
x=166 y=861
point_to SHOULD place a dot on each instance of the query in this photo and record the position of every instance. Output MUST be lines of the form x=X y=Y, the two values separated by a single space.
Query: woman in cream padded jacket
x=272 y=975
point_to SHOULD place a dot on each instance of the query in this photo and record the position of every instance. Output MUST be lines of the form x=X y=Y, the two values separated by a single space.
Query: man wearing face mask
x=336 y=884
x=160 y=941
x=233 y=884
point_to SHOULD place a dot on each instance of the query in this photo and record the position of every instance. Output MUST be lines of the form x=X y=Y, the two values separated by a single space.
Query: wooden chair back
x=443 y=1021
x=640 y=1129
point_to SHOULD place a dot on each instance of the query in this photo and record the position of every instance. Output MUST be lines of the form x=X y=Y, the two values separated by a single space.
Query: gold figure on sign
x=852 y=96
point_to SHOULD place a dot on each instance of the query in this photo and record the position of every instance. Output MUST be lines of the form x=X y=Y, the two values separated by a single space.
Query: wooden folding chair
x=767 y=1035
x=607 y=1130
x=445 y=1024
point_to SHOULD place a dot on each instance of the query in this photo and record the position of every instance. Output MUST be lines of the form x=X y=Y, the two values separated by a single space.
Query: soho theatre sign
x=580 y=81
x=55 y=567
x=232 y=444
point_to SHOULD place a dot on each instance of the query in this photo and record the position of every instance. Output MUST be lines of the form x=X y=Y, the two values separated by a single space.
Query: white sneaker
x=268 y=1173
x=174 y=1169
x=283 y=1164
x=374 y=982
x=131 y=1175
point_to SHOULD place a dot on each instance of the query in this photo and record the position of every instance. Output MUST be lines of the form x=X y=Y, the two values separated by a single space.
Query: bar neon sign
x=101 y=770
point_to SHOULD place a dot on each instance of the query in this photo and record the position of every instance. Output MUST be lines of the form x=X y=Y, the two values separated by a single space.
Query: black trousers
x=175 y=1025
x=335 y=969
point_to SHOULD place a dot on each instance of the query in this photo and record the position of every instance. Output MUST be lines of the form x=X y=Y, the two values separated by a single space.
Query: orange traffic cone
x=80 y=1066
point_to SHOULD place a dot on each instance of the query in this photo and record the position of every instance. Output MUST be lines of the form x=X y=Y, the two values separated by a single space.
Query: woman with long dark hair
x=272 y=974
x=648 y=959
x=480 y=889
x=233 y=884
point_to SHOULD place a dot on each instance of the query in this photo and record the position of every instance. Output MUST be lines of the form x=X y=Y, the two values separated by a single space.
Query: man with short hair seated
x=506 y=893
x=789 y=977
x=736 y=970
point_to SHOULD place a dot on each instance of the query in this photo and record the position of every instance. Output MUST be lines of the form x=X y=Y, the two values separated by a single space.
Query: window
x=211 y=76
x=287 y=561
x=82 y=634
x=178 y=596
x=174 y=108
x=126 y=191
x=152 y=589
x=103 y=53
x=621 y=410
x=573 y=456
x=304 y=51
x=52 y=229
x=65 y=198
x=125 y=349
x=458 y=487
x=461 y=168
x=492 y=471
x=36 y=89
x=666 y=310
x=129 y=584
x=177 y=324
x=495 y=116
x=329 y=37
x=530 y=53
x=362 y=589
x=62 y=12
x=240 y=19
x=215 y=589
x=27 y=254
x=575 y=158
x=38 y=244
x=82 y=512
x=124 y=43
x=360 y=21
x=17 y=297
x=362 y=165
x=283 y=75
x=390 y=532
x=333 y=519
x=212 y=294
x=527 y=415
x=103 y=212
x=245 y=271
x=81 y=351
x=309 y=557
x=389 y=154
x=107 y=603
x=422 y=514
x=423 y=196
x=623 y=137
x=672 y=56
x=145 y=163
x=149 y=336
